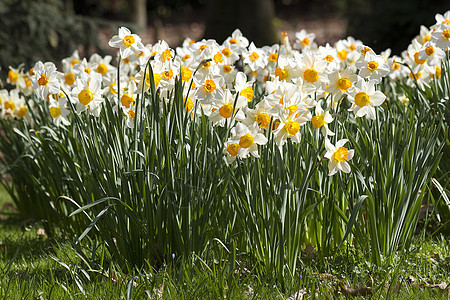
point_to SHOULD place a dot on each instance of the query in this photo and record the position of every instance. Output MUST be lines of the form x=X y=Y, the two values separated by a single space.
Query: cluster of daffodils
x=421 y=62
x=258 y=93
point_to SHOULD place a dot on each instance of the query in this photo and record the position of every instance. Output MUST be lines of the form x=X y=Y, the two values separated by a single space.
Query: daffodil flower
x=338 y=156
x=365 y=98
x=127 y=42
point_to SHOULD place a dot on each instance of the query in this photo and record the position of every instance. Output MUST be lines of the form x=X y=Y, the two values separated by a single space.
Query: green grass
x=34 y=266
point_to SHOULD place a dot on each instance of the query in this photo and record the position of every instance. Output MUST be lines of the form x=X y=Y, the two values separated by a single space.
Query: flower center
x=429 y=50
x=166 y=55
x=10 y=105
x=206 y=65
x=167 y=74
x=112 y=88
x=226 y=68
x=43 y=80
x=156 y=77
x=395 y=66
x=188 y=104
x=344 y=84
x=246 y=141
x=102 y=69
x=226 y=52
x=22 y=111
x=292 y=109
x=127 y=100
x=55 y=111
x=341 y=154
x=292 y=127
x=247 y=93
x=362 y=99
x=262 y=119
x=328 y=58
x=12 y=76
x=210 y=86
x=69 y=78
x=254 y=56
x=131 y=114
x=85 y=96
x=233 y=41
x=281 y=73
x=372 y=65
x=365 y=50
x=415 y=76
x=226 y=110
x=305 y=42
x=74 y=62
x=233 y=149
x=128 y=40
x=311 y=75
x=317 y=121
x=446 y=34
x=273 y=57
x=342 y=54
x=218 y=58
x=186 y=74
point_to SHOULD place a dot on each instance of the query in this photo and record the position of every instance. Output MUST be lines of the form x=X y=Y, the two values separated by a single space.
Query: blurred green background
x=34 y=30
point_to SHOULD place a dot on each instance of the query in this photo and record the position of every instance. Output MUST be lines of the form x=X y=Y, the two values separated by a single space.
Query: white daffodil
x=372 y=67
x=245 y=140
x=341 y=83
x=58 y=110
x=127 y=42
x=338 y=156
x=321 y=120
x=244 y=87
x=289 y=126
x=441 y=36
x=208 y=87
x=45 y=79
x=432 y=54
x=254 y=57
x=87 y=95
x=365 y=98
x=223 y=109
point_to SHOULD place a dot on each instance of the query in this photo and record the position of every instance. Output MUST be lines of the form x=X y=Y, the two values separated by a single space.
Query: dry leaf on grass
x=359 y=290
x=411 y=279
x=41 y=232
x=298 y=295
x=324 y=276
x=442 y=285
x=309 y=251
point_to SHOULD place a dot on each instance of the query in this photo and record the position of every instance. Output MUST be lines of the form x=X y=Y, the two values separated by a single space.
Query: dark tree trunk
x=253 y=17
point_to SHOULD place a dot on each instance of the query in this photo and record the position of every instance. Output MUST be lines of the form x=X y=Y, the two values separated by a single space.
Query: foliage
x=41 y=30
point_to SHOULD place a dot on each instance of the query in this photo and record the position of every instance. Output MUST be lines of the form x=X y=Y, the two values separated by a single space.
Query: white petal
x=260 y=139
x=345 y=167
x=123 y=31
x=329 y=146
x=377 y=98
x=350 y=155
x=341 y=143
